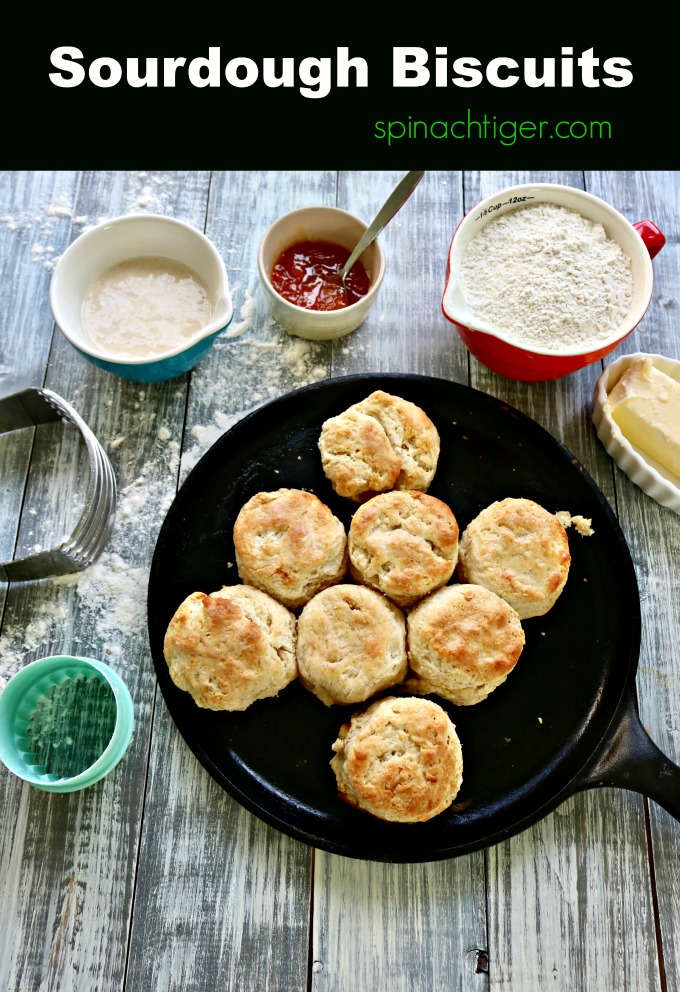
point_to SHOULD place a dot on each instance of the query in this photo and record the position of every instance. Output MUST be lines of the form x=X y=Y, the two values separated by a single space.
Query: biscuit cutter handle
x=29 y=408
x=631 y=760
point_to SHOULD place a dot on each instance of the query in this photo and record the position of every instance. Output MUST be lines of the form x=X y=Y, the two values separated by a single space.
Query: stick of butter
x=645 y=403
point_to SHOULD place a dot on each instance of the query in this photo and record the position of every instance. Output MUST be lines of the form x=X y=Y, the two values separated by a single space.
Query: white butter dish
x=644 y=471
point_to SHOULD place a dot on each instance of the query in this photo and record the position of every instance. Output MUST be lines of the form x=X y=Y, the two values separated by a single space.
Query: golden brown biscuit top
x=289 y=543
x=518 y=549
x=464 y=626
x=404 y=543
x=231 y=647
x=412 y=435
x=381 y=443
x=400 y=759
x=356 y=455
x=351 y=644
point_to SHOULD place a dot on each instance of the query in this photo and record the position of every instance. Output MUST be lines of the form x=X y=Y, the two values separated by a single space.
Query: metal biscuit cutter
x=29 y=408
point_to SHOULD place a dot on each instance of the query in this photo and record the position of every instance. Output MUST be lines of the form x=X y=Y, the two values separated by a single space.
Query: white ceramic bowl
x=494 y=347
x=644 y=471
x=318 y=224
x=130 y=236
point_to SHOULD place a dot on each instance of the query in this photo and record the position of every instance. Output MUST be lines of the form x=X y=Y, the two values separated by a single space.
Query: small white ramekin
x=318 y=224
x=644 y=471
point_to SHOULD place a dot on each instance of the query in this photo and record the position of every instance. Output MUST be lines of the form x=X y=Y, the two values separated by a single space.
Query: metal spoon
x=389 y=208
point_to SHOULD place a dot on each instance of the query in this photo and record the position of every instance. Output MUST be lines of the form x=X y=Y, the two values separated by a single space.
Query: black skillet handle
x=629 y=759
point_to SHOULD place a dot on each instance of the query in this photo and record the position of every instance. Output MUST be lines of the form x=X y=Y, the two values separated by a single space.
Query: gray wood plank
x=399 y=927
x=36 y=212
x=406 y=331
x=37 y=215
x=79 y=851
x=222 y=901
x=582 y=862
x=255 y=360
x=653 y=535
x=402 y=927
x=564 y=897
x=237 y=916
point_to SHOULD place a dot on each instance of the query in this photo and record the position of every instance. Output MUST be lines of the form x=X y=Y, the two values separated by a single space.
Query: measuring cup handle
x=653 y=238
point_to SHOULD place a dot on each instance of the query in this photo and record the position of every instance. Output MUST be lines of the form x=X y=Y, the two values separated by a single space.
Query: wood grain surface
x=156 y=880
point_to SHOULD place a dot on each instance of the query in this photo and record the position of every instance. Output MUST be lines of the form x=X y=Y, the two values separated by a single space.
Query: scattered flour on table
x=547 y=276
x=281 y=365
x=59 y=210
x=205 y=436
x=42 y=226
x=111 y=593
x=235 y=330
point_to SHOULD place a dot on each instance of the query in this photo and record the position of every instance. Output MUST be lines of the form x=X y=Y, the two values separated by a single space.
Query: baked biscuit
x=289 y=544
x=404 y=544
x=357 y=456
x=519 y=550
x=383 y=442
x=399 y=759
x=351 y=644
x=464 y=641
x=231 y=648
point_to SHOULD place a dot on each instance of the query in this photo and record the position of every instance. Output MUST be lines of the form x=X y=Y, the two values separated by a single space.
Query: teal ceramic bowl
x=65 y=722
x=119 y=240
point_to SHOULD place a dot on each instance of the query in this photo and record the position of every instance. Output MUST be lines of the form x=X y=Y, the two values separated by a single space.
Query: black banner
x=85 y=101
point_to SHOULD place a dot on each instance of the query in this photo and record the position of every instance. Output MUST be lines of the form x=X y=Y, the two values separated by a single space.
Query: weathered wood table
x=155 y=878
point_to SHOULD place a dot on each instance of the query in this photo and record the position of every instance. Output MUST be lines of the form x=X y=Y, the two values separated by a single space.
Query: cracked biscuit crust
x=464 y=641
x=399 y=759
x=383 y=442
x=231 y=648
x=351 y=644
x=404 y=544
x=519 y=550
x=289 y=544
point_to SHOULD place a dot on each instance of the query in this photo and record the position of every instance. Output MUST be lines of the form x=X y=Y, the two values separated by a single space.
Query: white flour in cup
x=546 y=276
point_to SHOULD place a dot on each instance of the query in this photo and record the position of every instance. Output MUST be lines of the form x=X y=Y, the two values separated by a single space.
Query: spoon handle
x=389 y=208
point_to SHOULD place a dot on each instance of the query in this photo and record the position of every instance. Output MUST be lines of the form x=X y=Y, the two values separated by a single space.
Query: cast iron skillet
x=565 y=720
